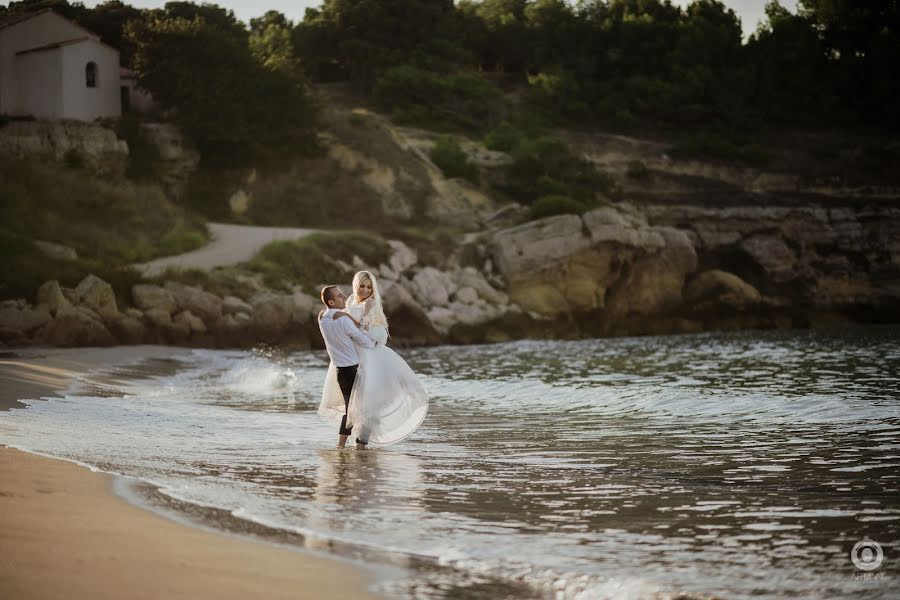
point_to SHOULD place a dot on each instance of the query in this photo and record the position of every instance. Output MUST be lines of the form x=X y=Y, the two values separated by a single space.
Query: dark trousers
x=346 y=376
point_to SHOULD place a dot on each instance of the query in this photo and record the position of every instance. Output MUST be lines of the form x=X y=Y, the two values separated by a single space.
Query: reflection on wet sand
x=351 y=485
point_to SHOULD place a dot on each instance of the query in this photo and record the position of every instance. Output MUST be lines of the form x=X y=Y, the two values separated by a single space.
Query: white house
x=51 y=68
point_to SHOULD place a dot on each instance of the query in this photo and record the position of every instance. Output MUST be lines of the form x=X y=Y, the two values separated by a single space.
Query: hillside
x=663 y=243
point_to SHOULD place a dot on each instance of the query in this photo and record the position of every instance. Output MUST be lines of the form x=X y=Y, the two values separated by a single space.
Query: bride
x=388 y=402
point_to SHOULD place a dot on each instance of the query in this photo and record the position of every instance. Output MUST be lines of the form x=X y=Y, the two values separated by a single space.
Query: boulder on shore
x=149 y=297
x=715 y=288
x=23 y=320
x=51 y=294
x=97 y=295
x=205 y=305
x=76 y=329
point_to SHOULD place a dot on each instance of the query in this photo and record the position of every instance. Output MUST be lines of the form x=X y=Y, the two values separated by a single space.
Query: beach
x=601 y=468
x=64 y=534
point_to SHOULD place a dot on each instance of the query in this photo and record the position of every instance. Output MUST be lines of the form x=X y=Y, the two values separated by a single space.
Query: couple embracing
x=369 y=390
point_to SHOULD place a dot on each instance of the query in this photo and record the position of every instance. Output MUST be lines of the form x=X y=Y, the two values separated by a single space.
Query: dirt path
x=231 y=244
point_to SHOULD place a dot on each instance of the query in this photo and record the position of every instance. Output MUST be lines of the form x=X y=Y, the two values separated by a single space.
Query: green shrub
x=544 y=165
x=453 y=160
x=462 y=101
x=178 y=242
x=548 y=186
x=547 y=206
x=715 y=145
x=504 y=137
x=24 y=268
x=114 y=222
x=143 y=156
x=316 y=259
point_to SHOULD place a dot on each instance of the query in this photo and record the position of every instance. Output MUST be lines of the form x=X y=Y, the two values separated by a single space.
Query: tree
x=271 y=43
x=788 y=70
x=367 y=37
x=230 y=103
x=108 y=20
x=862 y=39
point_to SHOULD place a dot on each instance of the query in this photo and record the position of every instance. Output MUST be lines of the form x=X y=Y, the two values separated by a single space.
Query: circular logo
x=867 y=555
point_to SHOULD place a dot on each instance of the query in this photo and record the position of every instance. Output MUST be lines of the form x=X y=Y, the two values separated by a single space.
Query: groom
x=339 y=336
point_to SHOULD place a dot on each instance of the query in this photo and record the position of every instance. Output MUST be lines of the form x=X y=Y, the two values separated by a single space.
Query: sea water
x=738 y=465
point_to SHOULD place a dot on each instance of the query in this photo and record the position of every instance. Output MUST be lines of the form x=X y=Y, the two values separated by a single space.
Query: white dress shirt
x=340 y=335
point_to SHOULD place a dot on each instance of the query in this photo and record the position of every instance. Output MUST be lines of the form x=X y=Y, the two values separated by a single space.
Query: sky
x=751 y=12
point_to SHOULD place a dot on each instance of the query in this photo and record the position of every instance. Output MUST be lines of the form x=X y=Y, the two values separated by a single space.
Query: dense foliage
x=622 y=62
x=627 y=63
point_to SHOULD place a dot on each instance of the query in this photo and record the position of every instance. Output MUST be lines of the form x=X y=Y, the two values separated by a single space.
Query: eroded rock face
x=178 y=157
x=773 y=256
x=714 y=289
x=95 y=146
x=622 y=225
x=609 y=259
x=799 y=256
x=653 y=283
x=535 y=246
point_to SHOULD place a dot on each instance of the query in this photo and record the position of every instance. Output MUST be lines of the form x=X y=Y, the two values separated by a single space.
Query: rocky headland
x=616 y=270
x=684 y=246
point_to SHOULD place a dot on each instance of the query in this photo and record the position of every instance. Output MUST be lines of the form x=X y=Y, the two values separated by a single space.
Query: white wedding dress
x=388 y=401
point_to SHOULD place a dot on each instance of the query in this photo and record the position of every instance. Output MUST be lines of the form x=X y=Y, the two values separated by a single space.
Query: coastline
x=30 y=373
x=65 y=534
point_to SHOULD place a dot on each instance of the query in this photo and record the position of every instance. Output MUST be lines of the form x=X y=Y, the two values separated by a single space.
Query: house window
x=90 y=74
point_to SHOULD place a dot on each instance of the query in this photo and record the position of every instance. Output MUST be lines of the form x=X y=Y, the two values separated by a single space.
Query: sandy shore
x=63 y=534
x=34 y=373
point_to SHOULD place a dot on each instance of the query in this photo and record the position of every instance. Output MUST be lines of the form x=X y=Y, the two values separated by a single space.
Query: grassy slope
x=109 y=224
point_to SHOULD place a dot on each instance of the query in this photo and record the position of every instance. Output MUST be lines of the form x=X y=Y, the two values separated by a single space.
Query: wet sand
x=64 y=534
